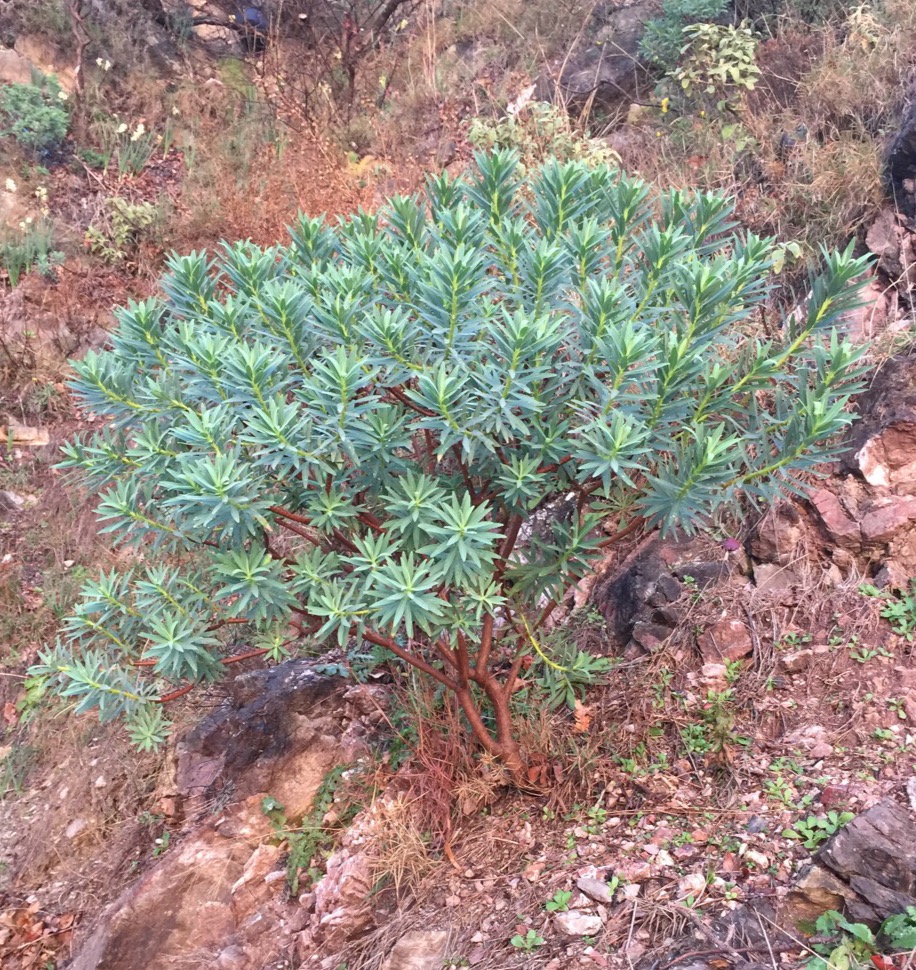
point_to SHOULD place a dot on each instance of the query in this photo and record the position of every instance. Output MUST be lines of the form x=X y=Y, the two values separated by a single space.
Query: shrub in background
x=663 y=39
x=358 y=437
x=36 y=114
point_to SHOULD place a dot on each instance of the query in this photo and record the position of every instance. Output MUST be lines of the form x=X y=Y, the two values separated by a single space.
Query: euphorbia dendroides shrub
x=345 y=438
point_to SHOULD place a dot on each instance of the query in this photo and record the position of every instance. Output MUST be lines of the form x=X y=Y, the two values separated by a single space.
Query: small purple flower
x=731 y=544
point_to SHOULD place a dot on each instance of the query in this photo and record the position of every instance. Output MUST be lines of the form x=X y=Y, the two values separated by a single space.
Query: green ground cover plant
x=405 y=430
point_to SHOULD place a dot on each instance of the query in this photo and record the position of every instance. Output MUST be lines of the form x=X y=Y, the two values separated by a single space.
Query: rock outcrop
x=217 y=896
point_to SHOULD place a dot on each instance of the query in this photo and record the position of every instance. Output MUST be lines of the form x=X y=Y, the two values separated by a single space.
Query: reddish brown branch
x=382 y=641
x=405 y=400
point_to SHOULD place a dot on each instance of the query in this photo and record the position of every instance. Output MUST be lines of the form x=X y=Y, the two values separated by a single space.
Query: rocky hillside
x=740 y=762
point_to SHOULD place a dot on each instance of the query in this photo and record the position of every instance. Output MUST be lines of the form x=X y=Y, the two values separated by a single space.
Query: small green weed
x=900 y=930
x=815 y=829
x=31 y=247
x=559 y=902
x=15 y=768
x=839 y=944
x=530 y=941
x=313 y=836
x=899 y=607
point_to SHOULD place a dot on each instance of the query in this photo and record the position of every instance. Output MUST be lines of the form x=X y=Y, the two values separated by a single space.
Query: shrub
x=664 y=36
x=120 y=226
x=35 y=114
x=405 y=430
x=32 y=246
x=717 y=59
x=538 y=132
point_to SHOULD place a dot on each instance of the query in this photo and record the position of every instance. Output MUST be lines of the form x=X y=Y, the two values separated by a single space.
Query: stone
x=11 y=502
x=276 y=734
x=726 y=640
x=796 y=661
x=14 y=68
x=24 y=436
x=76 y=828
x=418 y=950
x=651 y=636
x=900 y=166
x=691 y=885
x=343 y=906
x=837 y=525
x=872 y=315
x=772 y=578
x=251 y=889
x=777 y=536
x=605 y=66
x=232 y=958
x=41 y=55
x=888 y=459
x=576 y=923
x=713 y=676
x=883 y=523
x=867 y=869
x=596 y=889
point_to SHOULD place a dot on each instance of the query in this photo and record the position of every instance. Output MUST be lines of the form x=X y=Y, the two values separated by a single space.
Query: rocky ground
x=692 y=811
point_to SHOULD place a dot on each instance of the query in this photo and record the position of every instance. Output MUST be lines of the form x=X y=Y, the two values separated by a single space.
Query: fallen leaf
x=582 y=717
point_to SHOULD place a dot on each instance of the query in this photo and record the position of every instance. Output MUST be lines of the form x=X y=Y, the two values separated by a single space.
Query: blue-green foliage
x=35 y=114
x=350 y=429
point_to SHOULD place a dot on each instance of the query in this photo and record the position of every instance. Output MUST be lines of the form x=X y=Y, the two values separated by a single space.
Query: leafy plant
x=815 y=829
x=359 y=433
x=538 y=132
x=663 y=39
x=839 y=944
x=899 y=607
x=559 y=902
x=313 y=836
x=717 y=58
x=900 y=930
x=562 y=671
x=35 y=114
x=530 y=941
x=120 y=226
x=29 y=247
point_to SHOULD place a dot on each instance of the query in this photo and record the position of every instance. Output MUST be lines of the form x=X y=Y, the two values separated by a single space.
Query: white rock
x=758 y=858
x=574 y=923
x=77 y=826
x=691 y=885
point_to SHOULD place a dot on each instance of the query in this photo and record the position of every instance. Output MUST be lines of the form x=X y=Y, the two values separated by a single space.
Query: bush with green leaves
x=663 y=39
x=407 y=429
x=716 y=59
x=36 y=115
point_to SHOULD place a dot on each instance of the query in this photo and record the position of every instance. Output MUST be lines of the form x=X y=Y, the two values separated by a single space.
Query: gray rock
x=606 y=65
x=868 y=869
x=596 y=889
x=11 y=502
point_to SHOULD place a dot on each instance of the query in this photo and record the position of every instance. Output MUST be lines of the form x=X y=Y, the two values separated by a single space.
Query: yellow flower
x=122 y=128
x=62 y=95
x=139 y=131
x=664 y=106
